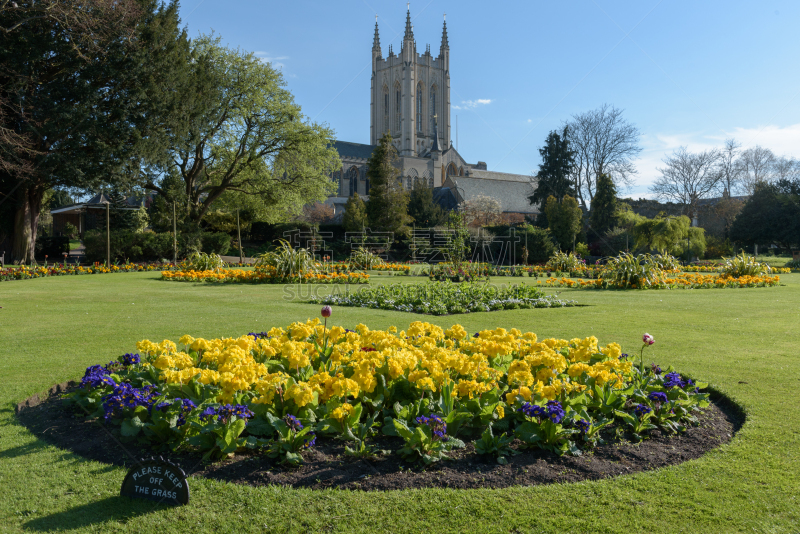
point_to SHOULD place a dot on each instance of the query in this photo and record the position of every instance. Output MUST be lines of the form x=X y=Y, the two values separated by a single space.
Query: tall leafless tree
x=688 y=177
x=784 y=168
x=604 y=143
x=729 y=169
x=756 y=165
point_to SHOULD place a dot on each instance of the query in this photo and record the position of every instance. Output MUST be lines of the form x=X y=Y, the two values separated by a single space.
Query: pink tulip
x=648 y=339
x=326 y=311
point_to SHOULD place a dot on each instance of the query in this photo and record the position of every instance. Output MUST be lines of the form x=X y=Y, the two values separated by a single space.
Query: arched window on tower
x=385 y=109
x=397 y=108
x=419 y=108
x=352 y=174
x=432 y=106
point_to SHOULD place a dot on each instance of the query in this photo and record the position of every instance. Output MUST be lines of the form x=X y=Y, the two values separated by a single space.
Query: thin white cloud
x=472 y=104
x=783 y=141
x=275 y=61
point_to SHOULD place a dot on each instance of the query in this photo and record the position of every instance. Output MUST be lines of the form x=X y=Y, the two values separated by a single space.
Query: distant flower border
x=263 y=276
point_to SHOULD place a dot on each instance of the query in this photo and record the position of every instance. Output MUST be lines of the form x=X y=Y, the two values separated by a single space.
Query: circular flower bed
x=442 y=298
x=282 y=392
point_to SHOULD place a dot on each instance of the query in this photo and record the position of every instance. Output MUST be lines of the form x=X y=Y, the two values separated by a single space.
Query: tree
x=770 y=215
x=457 y=246
x=318 y=213
x=604 y=206
x=558 y=161
x=604 y=143
x=387 y=209
x=78 y=82
x=423 y=209
x=355 y=214
x=688 y=177
x=242 y=133
x=784 y=168
x=729 y=169
x=694 y=241
x=662 y=233
x=565 y=219
x=483 y=209
x=755 y=167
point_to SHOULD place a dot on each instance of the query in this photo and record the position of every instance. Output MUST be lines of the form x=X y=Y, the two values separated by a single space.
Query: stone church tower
x=410 y=98
x=408 y=90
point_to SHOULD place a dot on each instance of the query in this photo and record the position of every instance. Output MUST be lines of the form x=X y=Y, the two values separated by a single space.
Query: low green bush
x=52 y=247
x=443 y=298
x=216 y=243
x=151 y=246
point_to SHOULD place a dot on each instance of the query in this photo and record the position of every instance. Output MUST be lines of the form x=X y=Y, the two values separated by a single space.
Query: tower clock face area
x=409 y=89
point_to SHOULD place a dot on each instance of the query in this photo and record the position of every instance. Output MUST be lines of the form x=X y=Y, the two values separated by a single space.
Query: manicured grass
x=743 y=341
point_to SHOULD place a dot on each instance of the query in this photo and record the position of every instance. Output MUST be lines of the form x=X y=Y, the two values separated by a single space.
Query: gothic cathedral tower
x=408 y=90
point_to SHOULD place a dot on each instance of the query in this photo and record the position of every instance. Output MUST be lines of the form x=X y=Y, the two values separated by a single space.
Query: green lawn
x=743 y=341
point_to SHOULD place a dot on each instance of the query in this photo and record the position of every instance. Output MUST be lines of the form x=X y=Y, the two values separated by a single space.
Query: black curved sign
x=158 y=480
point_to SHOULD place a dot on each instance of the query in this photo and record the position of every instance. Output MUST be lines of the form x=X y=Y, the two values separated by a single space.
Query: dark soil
x=326 y=465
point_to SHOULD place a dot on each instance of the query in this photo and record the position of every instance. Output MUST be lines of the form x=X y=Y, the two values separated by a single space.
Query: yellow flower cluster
x=266 y=275
x=425 y=355
x=678 y=281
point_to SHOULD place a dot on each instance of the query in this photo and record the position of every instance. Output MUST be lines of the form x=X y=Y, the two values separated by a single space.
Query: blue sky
x=686 y=73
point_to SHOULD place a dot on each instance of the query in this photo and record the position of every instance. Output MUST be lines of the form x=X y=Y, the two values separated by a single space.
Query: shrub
x=582 y=249
x=564 y=262
x=718 y=248
x=364 y=259
x=287 y=260
x=151 y=246
x=539 y=242
x=627 y=270
x=200 y=261
x=743 y=265
x=666 y=262
x=70 y=230
x=441 y=298
x=53 y=247
x=216 y=242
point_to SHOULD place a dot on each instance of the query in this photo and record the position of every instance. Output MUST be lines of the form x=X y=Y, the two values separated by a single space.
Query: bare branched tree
x=482 y=209
x=604 y=143
x=755 y=166
x=784 y=168
x=728 y=167
x=688 y=177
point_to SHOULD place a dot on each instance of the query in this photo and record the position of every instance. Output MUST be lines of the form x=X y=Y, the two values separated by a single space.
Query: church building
x=410 y=98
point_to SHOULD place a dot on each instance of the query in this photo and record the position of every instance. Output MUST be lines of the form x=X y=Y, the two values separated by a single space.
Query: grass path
x=743 y=341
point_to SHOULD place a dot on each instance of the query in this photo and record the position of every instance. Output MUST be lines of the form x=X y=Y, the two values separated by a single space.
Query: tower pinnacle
x=409 y=36
x=376 y=41
x=445 y=43
x=435 y=147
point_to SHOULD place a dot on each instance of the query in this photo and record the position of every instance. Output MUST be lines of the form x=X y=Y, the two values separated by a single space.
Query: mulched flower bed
x=326 y=465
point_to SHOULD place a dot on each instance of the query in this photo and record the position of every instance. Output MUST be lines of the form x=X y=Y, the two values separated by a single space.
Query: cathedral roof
x=353 y=150
x=512 y=194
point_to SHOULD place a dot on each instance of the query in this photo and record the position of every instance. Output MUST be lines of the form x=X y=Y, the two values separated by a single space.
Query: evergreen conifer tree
x=557 y=163
x=423 y=209
x=387 y=209
x=355 y=214
x=604 y=206
x=565 y=219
